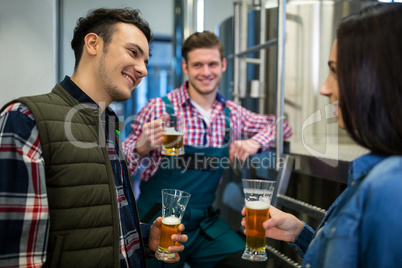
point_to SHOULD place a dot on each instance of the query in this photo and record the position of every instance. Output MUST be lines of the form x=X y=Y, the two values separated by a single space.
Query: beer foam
x=171 y=131
x=171 y=220
x=258 y=191
x=257 y=205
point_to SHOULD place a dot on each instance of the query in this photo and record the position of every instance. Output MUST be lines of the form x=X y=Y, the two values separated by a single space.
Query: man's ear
x=224 y=64
x=184 y=66
x=92 y=43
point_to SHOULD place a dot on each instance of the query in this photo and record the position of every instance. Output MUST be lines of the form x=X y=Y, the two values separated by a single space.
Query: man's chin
x=122 y=97
x=206 y=91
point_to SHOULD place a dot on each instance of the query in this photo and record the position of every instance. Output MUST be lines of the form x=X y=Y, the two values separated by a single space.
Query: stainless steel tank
x=310 y=31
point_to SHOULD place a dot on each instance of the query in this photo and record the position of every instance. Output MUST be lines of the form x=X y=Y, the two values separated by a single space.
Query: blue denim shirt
x=362 y=227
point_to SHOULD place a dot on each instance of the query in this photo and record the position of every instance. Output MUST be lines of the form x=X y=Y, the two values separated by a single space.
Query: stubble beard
x=109 y=86
x=199 y=91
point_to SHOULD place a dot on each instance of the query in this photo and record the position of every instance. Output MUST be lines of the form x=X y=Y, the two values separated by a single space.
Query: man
x=65 y=193
x=211 y=124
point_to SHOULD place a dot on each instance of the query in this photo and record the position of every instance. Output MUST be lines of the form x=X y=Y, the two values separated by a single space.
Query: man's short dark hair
x=205 y=39
x=102 y=22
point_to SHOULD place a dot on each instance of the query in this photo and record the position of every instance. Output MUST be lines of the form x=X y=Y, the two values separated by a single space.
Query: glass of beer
x=173 y=133
x=174 y=203
x=257 y=198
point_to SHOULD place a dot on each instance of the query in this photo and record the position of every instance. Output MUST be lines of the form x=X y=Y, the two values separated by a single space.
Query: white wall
x=27 y=48
x=28 y=37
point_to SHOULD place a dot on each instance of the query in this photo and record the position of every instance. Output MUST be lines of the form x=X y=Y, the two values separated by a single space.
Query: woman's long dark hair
x=369 y=66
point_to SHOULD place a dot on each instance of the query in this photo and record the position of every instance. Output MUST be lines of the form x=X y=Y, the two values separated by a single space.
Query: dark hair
x=102 y=22
x=205 y=39
x=369 y=66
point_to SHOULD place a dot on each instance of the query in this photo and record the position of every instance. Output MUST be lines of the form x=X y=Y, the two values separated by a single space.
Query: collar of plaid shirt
x=185 y=97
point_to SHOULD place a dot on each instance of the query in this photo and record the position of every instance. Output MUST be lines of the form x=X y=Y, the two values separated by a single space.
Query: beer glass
x=174 y=203
x=257 y=198
x=173 y=132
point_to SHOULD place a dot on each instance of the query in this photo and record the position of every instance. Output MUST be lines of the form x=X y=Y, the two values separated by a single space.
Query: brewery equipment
x=277 y=61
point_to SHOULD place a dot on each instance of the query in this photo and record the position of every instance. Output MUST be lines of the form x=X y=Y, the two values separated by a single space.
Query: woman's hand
x=280 y=225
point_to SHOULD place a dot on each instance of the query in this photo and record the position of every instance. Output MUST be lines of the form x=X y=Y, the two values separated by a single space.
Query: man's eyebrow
x=138 y=47
x=140 y=50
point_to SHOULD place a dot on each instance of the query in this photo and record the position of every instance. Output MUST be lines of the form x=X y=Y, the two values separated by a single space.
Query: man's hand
x=151 y=137
x=154 y=236
x=241 y=149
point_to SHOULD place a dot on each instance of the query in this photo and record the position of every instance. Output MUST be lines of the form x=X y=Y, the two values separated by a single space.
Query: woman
x=362 y=228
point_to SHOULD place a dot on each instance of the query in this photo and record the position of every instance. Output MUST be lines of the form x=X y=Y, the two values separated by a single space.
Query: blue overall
x=210 y=238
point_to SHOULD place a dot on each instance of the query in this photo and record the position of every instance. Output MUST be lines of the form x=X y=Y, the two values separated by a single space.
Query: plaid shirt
x=244 y=124
x=24 y=212
x=23 y=199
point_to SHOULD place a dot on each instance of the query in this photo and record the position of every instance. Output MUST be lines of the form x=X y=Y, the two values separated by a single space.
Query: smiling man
x=65 y=193
x=217 y=132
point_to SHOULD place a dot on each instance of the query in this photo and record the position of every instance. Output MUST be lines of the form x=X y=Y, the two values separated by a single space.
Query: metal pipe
x=253 y=61
x=184 y=25
x=190 y=15
x=257 y=48
x=280 y=81
x=263 y=26
x=243 y=47
x=236 y=50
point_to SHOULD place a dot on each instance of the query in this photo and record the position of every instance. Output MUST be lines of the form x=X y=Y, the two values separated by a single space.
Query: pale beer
x=170 y=226
x=172 y=142
x=256 y=213
x=174 y=203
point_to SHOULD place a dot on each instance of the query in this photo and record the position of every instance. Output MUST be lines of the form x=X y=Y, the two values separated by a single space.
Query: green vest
x=84 y=219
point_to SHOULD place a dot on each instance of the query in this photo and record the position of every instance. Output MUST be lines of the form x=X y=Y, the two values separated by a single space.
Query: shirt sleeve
x=303 y=240
x=24 y=219
x=145 y=229
x=380 y=232
x=258 y=127
x=153 y=110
